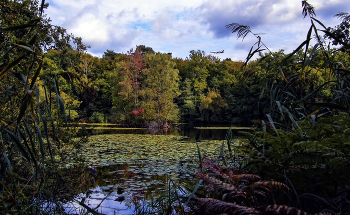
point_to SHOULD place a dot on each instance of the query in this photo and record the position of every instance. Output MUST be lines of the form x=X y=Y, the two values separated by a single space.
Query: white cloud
x=91 y=29
x=182 y=25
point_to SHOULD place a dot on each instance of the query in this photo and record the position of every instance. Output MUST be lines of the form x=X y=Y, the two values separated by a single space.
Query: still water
x=117 y=187
x=196 y=132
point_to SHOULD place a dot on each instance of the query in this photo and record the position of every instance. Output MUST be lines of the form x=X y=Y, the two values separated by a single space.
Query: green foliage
x=340 y=34
x=302 y=139
x=31 y=110
x=97 y=117
x=160 y=85
x=212 y=104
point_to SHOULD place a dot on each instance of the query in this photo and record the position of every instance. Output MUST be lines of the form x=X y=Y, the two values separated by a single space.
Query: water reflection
x=188 y=130
x=118 y=187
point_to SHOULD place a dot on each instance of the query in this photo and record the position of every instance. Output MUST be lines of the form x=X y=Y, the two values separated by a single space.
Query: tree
x=212 y=103
x=146 y=49
x=85 y=64
x=27 y=118
x=130 y=77
x=110 y=54
x=187 y=98
x=160 y=87
x=198 y=70
x=341 y=31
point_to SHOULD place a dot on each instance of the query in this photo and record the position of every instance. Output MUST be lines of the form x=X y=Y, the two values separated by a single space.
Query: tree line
x=144 y=86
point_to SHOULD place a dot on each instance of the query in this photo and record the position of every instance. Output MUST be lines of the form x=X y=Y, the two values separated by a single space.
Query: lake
x=135 y=164
x=192 y=131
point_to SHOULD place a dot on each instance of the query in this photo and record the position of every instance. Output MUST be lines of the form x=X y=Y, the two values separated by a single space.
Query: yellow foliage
x=213 y=101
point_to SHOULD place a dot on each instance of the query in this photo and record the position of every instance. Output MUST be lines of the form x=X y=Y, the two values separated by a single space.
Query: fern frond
x=224 y=173
x=283 y=209
x=260 y=194
x=214 y=206
x=217 y=183
x=308 y=9
x=309 y=158
x=246 y=178
x=242 y=30
x=271 y=186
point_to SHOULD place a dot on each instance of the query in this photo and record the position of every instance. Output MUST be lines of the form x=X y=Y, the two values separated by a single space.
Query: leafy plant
x=302 y=141
x=30 y=131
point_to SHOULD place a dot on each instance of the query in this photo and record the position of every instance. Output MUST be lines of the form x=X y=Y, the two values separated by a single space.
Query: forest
x=295 y=159
x=143 y=86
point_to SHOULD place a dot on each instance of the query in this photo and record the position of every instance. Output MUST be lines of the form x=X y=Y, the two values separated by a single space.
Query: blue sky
x=184 y=25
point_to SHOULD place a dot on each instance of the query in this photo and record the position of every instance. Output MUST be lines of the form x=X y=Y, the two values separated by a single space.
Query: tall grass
x=31 y=180
x=299 y=154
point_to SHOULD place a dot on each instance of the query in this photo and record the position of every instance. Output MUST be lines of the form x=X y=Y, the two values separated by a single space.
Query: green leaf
x=8 y=162
x=308 y=38
x=24 y=105
x=41 y=145
x=8 y=51
x=280 y=107
x=333 y=36
x=33 y=40
x=10 y=65
x=18 y=144
x=18 y=27
x=46 y=133
x=60 y=102
x=272 y=123
x=19 y=76
x=317 y=89
x=194 y=191
x=24 y=46
x=222 y=153
x=36 y=75
x=313 y=118
x=63 y=111
x=264 y=125
x=313 y=54
x=319 y=22
x=7 y=93
x=30 y=137
x=292 y=118
x=27 y=146
x=295 y=51
x=228 y=138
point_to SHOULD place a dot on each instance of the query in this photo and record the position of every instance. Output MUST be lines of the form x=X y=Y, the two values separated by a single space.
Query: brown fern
x=246 y=178
x=282 y=210
x=224 y=173
x=214 y=206
x=217 y=183
x=227 y=192
x=327 y=213
x=263 y=192
x=271 y=186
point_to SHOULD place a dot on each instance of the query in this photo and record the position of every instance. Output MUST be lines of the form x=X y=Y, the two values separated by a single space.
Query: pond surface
x=192 y=131
x=134 y=164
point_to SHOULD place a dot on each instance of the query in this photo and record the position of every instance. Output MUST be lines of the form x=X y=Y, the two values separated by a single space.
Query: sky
x=179 y=26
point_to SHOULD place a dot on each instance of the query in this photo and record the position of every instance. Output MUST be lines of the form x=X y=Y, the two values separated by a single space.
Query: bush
x=97 y=117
